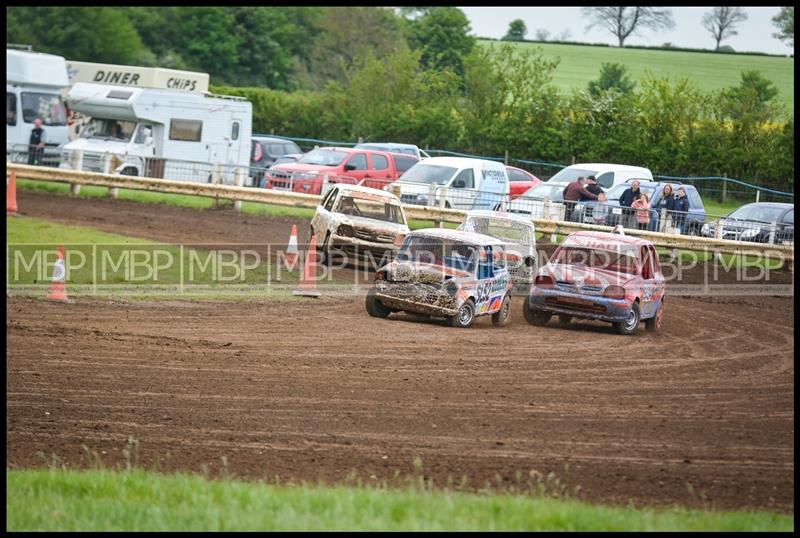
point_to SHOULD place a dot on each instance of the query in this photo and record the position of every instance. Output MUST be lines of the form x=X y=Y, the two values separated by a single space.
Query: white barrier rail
x=418 y=212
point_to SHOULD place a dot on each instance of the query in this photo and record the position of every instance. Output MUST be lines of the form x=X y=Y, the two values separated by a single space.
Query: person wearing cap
x=592 y=185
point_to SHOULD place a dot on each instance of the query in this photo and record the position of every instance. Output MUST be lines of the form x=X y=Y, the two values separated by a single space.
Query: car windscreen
x=357 y=206
x=323 y=157
x=568 y=175
x=508 y=230
x=618 y=261
x=49 y=107
x=758 y=213
x=616 y=191
x=429 y=173
x=544 y=190
x=108 y=129
x=437 y=251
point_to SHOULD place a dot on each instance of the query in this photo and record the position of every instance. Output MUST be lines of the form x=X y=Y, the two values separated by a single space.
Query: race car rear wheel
x=500 y=317
x=630 y=325
x=375 y=307
x=564 y=319
x=653 y=324
x=465 y=315
x=538 y=318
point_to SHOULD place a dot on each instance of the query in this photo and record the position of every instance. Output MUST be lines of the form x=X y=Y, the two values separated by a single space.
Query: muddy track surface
x=700 y=414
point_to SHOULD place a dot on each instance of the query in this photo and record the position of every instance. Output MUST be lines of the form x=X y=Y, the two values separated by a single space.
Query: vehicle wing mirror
x=459 y=184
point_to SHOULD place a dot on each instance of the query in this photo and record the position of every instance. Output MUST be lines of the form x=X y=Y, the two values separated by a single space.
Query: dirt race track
x=699 y=414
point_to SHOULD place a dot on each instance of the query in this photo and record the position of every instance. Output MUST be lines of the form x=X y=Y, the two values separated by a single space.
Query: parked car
x=445 y=273
x=356 y=223
x=692 y=222
x=607 y=174
x=520 y=181
x=393 y=147
x=455 y=182
x=601 y=276
x=519 y=239
x=531 y=202
x=756 y=222
x=265 y=150
x=341 y=165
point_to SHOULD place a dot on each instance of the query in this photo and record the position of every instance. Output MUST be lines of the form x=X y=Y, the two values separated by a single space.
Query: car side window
x=359 y=160
x=655 y=260
x=328 y=203
x=647 y=264
x=788 y=218
x=467 y=177
x=499 y=258
x=379 y=162
x=403 y=163
x=516 y=175
x=485 y=266
x=606 y=180
x=694 y=200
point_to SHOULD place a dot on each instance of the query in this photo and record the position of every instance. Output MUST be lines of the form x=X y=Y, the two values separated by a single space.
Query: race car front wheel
x=653 y=324
x=375 y=307
x=500 y=317
x=465 y=315
x=630 y=325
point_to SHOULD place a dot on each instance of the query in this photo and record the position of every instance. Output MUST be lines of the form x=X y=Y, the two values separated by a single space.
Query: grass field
x=708 y=71
x=102 y=500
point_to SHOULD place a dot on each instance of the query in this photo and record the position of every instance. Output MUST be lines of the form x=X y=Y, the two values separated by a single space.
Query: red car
x=368 y=168
x=520 y=180
x=603 y=276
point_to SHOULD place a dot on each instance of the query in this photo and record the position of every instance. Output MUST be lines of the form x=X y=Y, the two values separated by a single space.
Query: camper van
x=33 y=81
x=453 y=182
x=160 y=133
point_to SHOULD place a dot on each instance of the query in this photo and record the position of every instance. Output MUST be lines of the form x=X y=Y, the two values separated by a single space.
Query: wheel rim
x=464 y=314
x=632 y=321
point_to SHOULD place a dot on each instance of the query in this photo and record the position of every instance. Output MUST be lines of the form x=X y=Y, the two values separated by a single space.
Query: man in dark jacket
x=592 y=186
x=36 y=143
x=576 y=192
x=626 y=200
x=681 y=207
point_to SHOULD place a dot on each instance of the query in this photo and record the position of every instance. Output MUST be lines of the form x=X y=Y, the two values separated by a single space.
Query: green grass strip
x=136 y=500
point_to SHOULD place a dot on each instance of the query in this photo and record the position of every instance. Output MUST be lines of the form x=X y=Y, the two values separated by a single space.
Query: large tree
x=624 y=22
x=516 y=31
x=443 y=37
x=721 y=22
x=784 y=20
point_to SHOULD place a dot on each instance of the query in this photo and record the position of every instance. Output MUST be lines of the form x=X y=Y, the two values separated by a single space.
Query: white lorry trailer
x=161 y=133
x=33 y=84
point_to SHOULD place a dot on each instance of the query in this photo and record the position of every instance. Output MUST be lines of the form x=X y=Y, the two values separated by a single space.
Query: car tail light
x=614 y=292
x=544 y=281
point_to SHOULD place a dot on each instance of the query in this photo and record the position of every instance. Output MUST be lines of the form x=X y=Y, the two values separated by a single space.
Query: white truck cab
x=33 y=82
x=161 y=133
x=607 y=174
x=453 y=182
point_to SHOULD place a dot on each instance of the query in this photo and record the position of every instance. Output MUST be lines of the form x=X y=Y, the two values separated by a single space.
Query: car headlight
x=705 y=230
x=750 y=233
x=345 y=230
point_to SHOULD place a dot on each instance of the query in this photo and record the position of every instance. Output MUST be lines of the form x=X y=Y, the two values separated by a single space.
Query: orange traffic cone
x=11 y=195
x=308 y=282
x=58 y=288
x=291 y=250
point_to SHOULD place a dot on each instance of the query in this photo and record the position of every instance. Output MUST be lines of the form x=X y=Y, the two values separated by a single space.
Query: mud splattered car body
x=518 y=236
x=602 y=276
x=447 y=273
x=358 y=223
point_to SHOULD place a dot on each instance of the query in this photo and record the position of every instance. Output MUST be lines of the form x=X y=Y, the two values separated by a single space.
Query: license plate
x=617 y=211
x=576 y=301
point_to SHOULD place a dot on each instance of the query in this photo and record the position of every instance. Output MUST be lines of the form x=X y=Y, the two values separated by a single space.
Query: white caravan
x=467 y=183
x=33 y=82
x=168 y=134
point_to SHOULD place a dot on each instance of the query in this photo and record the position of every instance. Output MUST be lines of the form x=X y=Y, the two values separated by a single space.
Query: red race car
x=603 y=276
x=520 y=180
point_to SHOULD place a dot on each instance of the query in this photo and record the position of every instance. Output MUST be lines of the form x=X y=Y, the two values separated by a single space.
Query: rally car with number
x=601 y=276
x=452 y=274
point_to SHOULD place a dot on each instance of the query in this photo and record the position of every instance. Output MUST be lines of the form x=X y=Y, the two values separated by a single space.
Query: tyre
x=465 y=315
x=325 y=255
x=630 y=325
x=375 y=307
x=446 y=204
x=564 y=319
x=692 y=230
x=538 y=318
x=498 y=207
x=500 y=317
x=654 y=324
x=129 y=171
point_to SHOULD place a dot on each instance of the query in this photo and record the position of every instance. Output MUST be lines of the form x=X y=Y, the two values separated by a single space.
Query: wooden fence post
x=238 y=179
x=724 y=187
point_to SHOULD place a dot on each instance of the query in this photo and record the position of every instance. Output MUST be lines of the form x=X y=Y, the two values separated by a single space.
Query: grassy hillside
x=708 y=71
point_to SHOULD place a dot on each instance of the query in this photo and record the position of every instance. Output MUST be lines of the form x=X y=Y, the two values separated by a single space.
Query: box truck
x=170 y=134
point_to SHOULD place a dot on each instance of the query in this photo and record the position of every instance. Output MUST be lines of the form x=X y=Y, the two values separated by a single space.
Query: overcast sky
x=755 y=34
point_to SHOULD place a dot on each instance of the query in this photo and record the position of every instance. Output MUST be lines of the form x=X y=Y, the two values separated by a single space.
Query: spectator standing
x=600 y=211
x=667 y=202
x=36 y=143
x=680 y=209
x=592 y=185
x=576 y=192
x=642 y=207
x=626 y=200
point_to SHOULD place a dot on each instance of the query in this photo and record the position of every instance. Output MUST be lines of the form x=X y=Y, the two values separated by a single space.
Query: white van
x=466 y=183
x=33 y=81
x=607 y=174
x=168 y=134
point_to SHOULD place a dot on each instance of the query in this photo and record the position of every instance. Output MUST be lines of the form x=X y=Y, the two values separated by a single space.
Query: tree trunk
x=621 y=41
